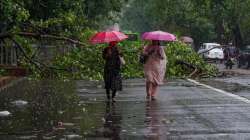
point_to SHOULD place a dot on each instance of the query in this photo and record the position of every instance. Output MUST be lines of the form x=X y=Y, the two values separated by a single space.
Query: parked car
x=244 y=57
x=211 y=51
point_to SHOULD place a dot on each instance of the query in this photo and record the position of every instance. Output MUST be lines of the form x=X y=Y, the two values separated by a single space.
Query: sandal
x=153 y=98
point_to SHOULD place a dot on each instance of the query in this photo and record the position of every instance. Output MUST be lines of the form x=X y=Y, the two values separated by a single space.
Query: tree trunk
x=237 y=36
x=220 y=32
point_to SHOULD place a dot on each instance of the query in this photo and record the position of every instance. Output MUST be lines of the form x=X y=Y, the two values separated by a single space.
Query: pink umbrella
x=186 y=39
x=106 y=37
x=159 y=35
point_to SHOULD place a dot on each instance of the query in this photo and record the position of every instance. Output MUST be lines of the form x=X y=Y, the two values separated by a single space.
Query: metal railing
x=8 y=55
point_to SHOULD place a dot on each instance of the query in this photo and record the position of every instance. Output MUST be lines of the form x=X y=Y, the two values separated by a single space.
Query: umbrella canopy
x=108 y=36
x=186 y=39
x=159 y=35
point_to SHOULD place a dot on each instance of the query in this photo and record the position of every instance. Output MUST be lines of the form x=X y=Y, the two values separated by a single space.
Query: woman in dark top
x=112 y=69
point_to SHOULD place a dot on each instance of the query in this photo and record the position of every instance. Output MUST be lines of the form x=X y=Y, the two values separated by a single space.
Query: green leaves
x=12 y=14
x=64 y=17
x=2 y=72
x=177 y=51
x=87 y=62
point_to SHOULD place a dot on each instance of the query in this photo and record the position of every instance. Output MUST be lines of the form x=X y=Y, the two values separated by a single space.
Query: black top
x=112 y=68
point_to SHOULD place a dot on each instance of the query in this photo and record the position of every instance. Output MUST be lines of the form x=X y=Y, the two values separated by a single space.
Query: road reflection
x=155 y=129
x=112 y=123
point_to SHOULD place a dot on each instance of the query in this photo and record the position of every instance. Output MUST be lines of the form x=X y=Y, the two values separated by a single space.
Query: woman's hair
x=113 y=43
x=156 y=42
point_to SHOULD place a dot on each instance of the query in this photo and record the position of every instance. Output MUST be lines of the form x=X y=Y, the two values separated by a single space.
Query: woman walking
x=112 y=70
x=154 y=67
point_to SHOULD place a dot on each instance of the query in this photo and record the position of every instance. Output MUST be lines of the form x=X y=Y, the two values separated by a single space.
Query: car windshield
x=212 y=46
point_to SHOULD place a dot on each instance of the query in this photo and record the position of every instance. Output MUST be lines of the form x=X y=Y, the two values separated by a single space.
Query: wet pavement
x=46 y=110
x=238 y=85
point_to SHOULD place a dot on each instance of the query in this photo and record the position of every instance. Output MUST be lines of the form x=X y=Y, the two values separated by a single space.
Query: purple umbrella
x=159 y=35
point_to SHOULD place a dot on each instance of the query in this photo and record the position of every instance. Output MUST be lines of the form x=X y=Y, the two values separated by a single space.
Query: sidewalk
x=234 y=71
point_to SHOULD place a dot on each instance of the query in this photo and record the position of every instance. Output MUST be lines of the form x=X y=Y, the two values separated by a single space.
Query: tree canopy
x=56 y=16
x=222 y=21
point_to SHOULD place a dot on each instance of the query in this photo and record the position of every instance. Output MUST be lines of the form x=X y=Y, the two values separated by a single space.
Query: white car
x=211 y=51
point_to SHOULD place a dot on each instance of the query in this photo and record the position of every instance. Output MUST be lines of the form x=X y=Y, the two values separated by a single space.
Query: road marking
x=221 y=91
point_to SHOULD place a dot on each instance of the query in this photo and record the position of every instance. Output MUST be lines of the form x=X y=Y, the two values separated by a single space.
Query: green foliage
x=131 y=51
x=87 y=62
x=12 y=15
x=63 y=17
x=178 y=51
x=76 y=19
x=2 y=72
x=83 y=63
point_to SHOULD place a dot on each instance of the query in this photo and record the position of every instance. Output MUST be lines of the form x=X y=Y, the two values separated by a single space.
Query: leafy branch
x=38 y=35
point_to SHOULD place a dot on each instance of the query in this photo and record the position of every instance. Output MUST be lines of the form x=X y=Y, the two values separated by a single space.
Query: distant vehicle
x=231 y=53
x=246 y=50
x=244 y=57
x=211 y=51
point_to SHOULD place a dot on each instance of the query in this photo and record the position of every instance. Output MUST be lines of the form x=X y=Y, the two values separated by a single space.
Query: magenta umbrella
x=108 y=36
x=159 y=35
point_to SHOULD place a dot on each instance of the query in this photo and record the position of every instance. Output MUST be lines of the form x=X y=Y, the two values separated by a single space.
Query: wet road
x=183 y=110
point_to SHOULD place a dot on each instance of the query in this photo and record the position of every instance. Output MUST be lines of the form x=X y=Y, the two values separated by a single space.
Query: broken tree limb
x=23 y=52
x=193 y=73
x=37 y=35
x=33 y=61
x=180 y=62
x=188 y=65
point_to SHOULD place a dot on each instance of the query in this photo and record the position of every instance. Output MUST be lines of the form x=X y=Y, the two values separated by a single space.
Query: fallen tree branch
x=180 y=62
x=23 y=52
x=195 y=68
x=32 y=61
x=37 y=35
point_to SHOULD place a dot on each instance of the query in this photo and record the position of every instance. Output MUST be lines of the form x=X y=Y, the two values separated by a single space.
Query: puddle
x=67 y=110
x=53 y=110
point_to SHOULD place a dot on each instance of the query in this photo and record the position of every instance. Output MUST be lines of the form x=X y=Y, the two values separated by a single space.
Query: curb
x=243 y=99
x=8 y=81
